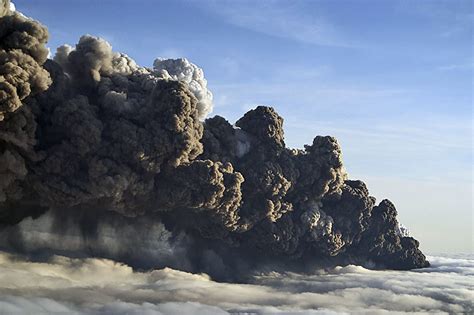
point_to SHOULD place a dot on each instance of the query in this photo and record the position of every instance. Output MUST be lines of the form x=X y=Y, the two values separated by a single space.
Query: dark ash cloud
x=100 y=157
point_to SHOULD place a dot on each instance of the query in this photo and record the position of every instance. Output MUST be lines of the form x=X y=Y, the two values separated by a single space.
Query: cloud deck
x=98 y=286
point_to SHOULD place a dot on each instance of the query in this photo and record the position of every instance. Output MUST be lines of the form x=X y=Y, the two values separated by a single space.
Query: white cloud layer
x=99 y=286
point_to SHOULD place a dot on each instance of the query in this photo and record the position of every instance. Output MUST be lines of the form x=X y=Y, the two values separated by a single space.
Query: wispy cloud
x=452 y=17
x=457 y=67
x=413 y=136
x=298 y=85
x=283 y=19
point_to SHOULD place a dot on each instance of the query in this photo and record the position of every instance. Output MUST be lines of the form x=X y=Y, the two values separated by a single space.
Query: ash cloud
x=22 y=54
x=99 y=154
x=99 y=286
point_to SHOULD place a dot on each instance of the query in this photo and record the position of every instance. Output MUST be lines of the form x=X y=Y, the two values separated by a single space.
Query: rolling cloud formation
x=103 y=158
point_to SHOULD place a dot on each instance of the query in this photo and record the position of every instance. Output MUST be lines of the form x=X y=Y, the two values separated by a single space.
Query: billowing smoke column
x=99 y=156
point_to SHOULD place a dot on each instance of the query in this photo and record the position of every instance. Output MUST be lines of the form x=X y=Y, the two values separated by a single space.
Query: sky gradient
x=392 y=80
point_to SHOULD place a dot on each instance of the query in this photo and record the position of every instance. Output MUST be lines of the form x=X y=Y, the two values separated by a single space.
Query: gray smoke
x=98 y=151
x=22 y=54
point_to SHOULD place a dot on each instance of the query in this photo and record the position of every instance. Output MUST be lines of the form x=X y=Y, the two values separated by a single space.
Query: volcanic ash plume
x=101 y=157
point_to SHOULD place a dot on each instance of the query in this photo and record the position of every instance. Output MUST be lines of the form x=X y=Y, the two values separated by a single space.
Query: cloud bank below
x=100 y=286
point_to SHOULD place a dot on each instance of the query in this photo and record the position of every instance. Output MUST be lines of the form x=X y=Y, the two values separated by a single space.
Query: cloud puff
x=182 y=70
x=100 y=286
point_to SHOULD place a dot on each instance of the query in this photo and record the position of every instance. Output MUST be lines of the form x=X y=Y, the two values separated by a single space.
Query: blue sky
x=392 y=80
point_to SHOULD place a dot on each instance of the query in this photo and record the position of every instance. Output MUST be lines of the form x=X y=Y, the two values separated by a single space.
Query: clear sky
x=392 y=80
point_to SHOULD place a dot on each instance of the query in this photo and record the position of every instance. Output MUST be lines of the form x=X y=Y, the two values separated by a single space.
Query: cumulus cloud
x=99 y=286
x=182 y=70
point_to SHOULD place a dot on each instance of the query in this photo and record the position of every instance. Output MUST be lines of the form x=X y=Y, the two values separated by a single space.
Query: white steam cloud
x=182 y=70
x=99 y=286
